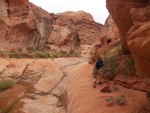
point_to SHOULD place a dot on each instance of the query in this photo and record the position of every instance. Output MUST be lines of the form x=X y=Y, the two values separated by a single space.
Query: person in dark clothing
x=97 y=74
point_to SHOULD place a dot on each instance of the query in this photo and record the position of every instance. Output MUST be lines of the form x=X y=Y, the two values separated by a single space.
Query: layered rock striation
x=88 y=29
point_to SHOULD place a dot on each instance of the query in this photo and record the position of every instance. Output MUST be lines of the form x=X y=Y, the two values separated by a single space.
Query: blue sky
x=97 y=8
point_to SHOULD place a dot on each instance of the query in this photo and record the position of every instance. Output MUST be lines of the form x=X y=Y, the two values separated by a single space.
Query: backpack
x=99 y=64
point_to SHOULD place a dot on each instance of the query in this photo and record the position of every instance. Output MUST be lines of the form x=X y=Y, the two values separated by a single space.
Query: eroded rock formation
x=89 y=30
x=23 y=24
x=109 y=31
x=18 y=27
x=64 y=36
x=132 y=18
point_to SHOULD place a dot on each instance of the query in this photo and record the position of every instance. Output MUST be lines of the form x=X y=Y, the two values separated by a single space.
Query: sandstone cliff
x=23 y=24
x=88 y=29
x=18 y=27
x=109 y=31
x=64 y=36
x=132 y=18
x=44 y=21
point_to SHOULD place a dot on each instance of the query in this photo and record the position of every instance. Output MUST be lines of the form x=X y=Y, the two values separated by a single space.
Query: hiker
x=97 y=74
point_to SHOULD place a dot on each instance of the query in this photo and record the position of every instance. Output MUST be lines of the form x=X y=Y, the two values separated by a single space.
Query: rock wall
x=64 y=36
x=23 y=24
x=132 y=17
x=109 y=31
x=88 y=29
x=44 y=21
x=18 y=28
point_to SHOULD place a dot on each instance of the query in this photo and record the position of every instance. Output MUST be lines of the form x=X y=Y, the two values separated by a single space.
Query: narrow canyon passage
x=62 y=85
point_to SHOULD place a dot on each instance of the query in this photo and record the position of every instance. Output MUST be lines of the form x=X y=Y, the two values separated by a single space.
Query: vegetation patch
x=114 y=62
x=118 y=100
x=31 y=52
x=117 y=64
x=6 y=84
x=110 y=65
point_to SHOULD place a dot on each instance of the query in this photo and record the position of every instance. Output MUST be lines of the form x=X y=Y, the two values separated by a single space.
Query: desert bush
x=118 y=100
x=110 y=65
x=42 y=54
x=6 y=84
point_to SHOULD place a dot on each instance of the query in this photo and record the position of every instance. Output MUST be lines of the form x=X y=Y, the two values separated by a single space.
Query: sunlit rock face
x=44 y=21
x=109 y=31
x=17 y=25
x=64 y=36
x=88 y=29
x=132 y=17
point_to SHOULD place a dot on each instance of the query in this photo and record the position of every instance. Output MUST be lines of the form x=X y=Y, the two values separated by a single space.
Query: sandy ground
x=83 y=98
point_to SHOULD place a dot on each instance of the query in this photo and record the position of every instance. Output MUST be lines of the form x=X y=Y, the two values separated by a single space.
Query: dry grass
x=31 y=52
x=6 y=84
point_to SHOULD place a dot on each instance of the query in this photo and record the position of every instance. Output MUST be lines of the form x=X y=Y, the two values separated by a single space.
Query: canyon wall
x=88 y=29
x=23 y=24
x=132 y=18
x=109 y=32
x=18 y=27
x=64 y=36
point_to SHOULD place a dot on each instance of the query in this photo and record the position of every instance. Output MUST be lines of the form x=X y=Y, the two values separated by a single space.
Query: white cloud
x=97 y=8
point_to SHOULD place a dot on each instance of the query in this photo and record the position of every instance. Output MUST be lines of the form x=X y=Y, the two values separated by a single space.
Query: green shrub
x=118 y=100
x=6 y=84
x=110 y=65
x=42 y=54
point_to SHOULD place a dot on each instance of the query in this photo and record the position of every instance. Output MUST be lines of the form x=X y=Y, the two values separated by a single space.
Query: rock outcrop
x=23 y=24
x=34 y=80
x=44 y=21
x=132 y=19
x=64 y=36
x=18 y=27
x=88 y=29
x=109 y=31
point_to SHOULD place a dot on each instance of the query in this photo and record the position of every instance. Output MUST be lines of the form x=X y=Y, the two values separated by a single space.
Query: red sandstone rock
x=132 y=19
x=63 y=36
x=109 y=31
x=88 y=29
x=23 y=24
x=17 y=25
